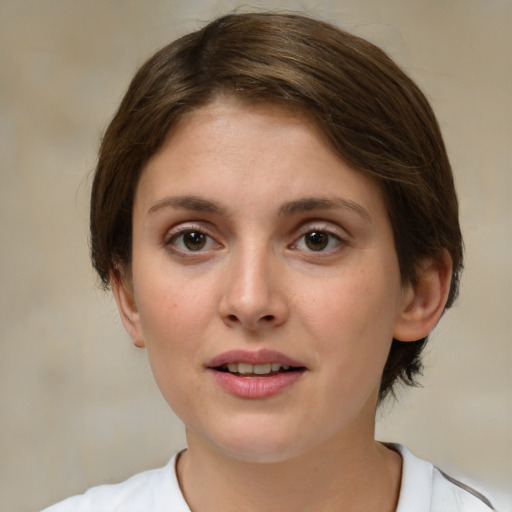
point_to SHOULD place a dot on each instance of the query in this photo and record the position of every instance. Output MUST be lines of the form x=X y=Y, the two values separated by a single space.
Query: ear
x=423 y=303
x=123 y=292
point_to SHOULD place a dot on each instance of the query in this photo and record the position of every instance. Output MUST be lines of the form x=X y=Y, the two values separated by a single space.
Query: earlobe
x=423 y=303
x=123 y=293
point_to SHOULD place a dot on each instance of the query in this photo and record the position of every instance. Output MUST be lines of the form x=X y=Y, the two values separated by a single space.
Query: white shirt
x=424 y=488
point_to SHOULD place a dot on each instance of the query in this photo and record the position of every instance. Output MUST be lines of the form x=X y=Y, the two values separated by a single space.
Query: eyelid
x=326 y=226
x=331 y=229
x=185 y=227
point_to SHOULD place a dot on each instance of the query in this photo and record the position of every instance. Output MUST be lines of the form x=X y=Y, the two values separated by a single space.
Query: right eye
x=192 y=240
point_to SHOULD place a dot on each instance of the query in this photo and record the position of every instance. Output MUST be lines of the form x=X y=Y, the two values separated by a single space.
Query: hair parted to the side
x=372 y=114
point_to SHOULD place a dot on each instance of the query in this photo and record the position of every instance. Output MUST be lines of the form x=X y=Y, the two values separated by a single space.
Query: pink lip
x=259 y=357
x=255 y=387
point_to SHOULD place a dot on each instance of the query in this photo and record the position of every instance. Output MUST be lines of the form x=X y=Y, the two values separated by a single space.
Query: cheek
x=173 y=308
x=173 y=321
x=354 y=320
x=174 y=315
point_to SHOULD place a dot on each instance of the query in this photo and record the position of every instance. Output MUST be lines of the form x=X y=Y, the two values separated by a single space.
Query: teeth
x=256 y=369
x=245 y=368
x=262 y=369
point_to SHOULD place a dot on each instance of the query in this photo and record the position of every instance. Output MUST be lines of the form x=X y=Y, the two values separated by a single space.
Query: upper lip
x=253 y=357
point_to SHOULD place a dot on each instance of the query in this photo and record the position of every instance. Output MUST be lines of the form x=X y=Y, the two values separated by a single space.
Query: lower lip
x=258 y=386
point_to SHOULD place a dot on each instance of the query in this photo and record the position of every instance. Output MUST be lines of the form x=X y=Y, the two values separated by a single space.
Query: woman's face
x=265 y=283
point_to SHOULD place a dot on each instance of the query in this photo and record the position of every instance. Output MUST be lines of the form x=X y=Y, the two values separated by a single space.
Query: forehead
x=226 y=110
x=250 y=153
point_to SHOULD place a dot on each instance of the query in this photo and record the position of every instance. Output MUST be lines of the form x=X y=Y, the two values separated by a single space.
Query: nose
x=253 y=298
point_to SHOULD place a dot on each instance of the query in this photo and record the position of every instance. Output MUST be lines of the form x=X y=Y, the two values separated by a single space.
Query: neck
x=355 y=477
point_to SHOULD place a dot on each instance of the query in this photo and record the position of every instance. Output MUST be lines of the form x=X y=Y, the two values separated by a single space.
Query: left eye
x=192 y=240
x=317 y=241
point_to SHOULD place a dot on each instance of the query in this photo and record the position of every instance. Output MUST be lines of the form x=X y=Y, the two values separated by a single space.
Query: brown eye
x=189 y=240
x=316 y=240
x=194 y=240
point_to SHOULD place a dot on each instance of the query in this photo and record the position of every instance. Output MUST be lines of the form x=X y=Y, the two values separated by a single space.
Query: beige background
x=78 y=404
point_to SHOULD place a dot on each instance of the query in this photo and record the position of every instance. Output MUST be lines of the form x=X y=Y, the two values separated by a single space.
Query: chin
x=259 y=445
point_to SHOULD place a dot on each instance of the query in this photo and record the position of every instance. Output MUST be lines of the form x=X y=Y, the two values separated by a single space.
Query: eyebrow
x=308 y=204
x=195 y=203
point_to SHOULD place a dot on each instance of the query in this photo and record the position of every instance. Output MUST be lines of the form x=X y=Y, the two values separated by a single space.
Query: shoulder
x=448 y=488
x=425 y=488
x=156 y=490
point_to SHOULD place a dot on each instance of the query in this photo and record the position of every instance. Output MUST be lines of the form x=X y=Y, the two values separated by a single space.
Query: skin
x=257 y=284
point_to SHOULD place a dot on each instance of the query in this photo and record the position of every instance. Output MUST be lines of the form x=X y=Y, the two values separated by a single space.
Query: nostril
x=250 y=321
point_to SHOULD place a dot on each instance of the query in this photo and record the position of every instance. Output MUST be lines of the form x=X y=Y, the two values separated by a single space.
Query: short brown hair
x=372 y=113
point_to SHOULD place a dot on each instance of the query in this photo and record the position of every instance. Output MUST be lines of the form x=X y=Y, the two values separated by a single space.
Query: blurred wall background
x=78 y=402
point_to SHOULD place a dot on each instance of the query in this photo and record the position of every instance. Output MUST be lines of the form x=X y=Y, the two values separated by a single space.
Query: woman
x=274 y=210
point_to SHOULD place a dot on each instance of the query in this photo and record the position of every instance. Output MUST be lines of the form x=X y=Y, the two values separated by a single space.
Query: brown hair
x=374 y=116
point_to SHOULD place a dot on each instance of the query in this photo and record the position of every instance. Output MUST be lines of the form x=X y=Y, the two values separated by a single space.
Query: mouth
x=257 y=370
x=261 y=363
x=257 y=374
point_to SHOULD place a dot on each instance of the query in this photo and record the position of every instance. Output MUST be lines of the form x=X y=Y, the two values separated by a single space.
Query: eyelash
x=322 y=231
x=176 y=239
